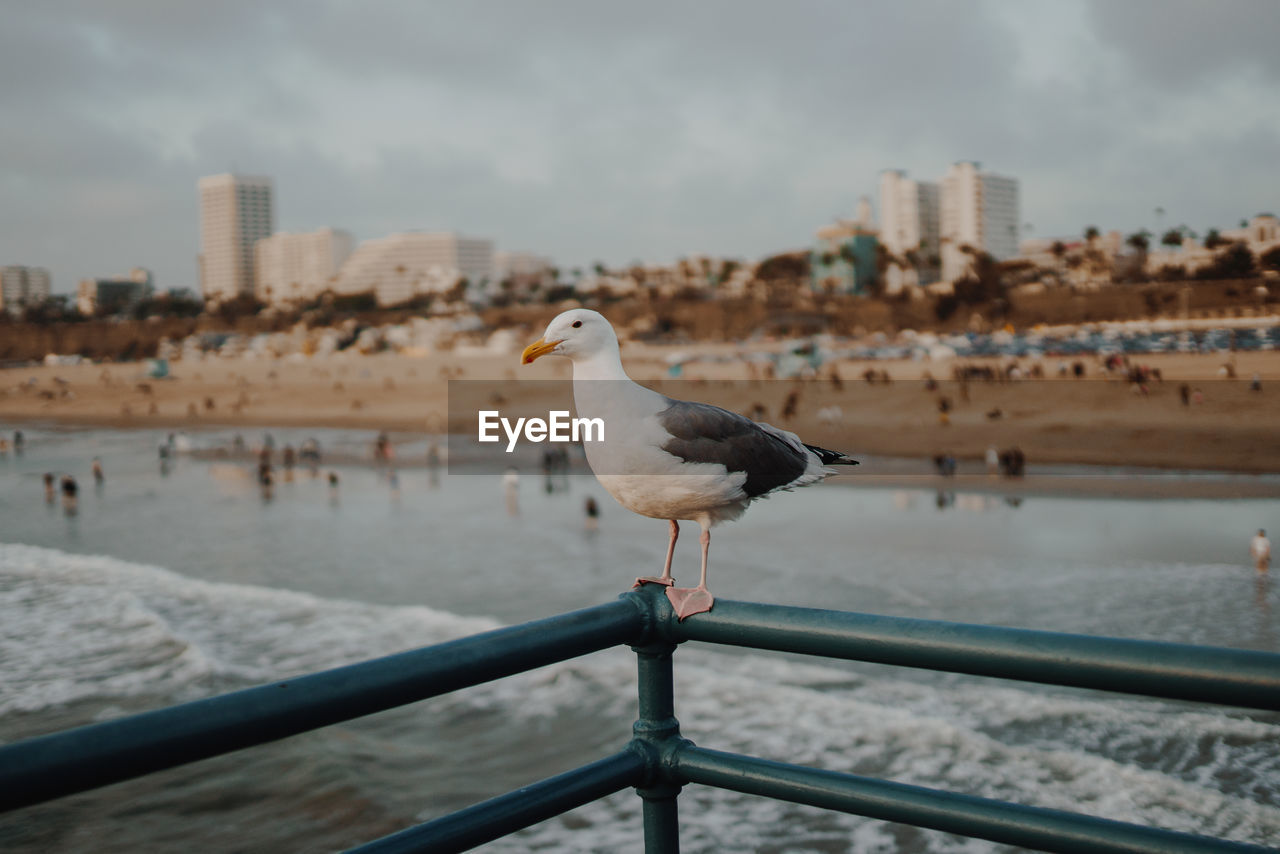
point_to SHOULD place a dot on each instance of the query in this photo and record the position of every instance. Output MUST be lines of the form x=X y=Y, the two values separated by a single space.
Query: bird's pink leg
x=688 y=601
x=666 y=580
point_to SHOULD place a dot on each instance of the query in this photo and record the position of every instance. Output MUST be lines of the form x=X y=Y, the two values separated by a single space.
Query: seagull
x=673 y=459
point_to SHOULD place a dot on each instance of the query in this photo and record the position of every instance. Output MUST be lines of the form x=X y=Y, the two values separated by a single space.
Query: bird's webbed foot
x=688 y=601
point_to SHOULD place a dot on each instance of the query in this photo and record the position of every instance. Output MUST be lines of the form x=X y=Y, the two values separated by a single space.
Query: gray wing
x=701 y=433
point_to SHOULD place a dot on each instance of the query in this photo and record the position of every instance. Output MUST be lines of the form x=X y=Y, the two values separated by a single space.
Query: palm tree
x=1091 y=234
x=1059 y=250
x=1172 y=237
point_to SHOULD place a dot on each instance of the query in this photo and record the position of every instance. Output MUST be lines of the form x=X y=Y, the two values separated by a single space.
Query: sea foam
x=98 y=630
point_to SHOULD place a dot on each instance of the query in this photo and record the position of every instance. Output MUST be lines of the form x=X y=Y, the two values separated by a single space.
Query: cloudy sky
x=599 y=130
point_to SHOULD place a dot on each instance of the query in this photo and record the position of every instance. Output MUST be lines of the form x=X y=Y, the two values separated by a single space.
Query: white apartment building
x=296 y=268
x=401 y=266
x=910 y=221
x=236 y=211
x=980 y=210
x=1261 y=230
x=508 y=264
x=1260 y=234
x=22 y=287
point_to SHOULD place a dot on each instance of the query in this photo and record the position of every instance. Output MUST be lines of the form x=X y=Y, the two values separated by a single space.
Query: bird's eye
x=577 y=324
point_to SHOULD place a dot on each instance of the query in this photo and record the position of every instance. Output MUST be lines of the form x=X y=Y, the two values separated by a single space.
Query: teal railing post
x=656 y=729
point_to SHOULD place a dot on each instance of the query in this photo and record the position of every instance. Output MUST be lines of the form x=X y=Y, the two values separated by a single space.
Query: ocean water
x=168 y=587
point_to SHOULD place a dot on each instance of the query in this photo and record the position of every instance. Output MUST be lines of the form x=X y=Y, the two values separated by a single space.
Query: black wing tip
x=832 y=458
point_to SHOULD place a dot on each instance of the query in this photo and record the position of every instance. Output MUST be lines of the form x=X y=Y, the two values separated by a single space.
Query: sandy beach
x=1098 y=420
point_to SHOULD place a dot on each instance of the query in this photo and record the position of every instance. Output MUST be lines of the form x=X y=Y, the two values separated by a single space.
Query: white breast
x=632 y=466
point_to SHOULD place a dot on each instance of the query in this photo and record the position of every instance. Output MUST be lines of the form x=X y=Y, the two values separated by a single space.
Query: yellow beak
x=538 y=348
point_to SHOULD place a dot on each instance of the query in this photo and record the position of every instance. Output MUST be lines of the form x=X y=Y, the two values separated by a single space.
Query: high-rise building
x=400 y=266
x=979 y=211
x=294 y=268
x=236 y=211
x=23 y=287
x=910 y=229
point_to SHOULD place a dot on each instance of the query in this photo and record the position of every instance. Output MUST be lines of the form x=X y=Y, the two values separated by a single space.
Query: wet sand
x=1097 y=421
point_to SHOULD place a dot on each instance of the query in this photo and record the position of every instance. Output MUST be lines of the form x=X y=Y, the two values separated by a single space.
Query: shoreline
x=915 y=474
x=906 y=446
x=1102 y=420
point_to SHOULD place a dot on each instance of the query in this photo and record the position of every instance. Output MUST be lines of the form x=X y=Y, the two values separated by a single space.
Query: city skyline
x=589 y=133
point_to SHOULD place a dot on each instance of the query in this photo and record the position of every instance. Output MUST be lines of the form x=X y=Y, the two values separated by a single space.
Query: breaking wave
x=108 y=636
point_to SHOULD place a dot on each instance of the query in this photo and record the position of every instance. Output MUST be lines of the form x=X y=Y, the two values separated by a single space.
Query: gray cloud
x=601 y=131
x=1174 y=44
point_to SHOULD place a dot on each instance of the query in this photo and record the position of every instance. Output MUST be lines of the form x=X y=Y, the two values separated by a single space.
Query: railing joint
x=659 y=622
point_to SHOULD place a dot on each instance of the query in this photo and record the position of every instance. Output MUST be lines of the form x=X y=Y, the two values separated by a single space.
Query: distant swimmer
x=1260 y=551
x=310 y=454
x=98 y=475
x=593 y=514
x=70 y=489
x=50 y=490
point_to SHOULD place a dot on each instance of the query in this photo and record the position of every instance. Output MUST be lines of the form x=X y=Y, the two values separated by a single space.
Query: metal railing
x=657 y=761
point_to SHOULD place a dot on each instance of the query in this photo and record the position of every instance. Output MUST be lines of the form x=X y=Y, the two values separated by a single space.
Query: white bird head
x=579 y=332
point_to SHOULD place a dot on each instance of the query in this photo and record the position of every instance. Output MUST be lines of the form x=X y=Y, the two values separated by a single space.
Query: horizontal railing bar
x=516 y=810
x=1011 y=824
x=76 y=760
x=1233 y=677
